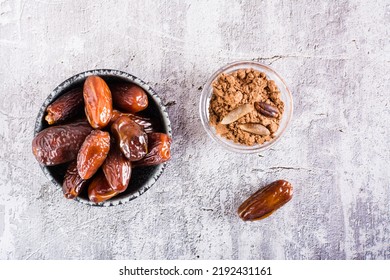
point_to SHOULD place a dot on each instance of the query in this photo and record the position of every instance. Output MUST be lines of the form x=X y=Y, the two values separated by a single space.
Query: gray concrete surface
x=334 y=55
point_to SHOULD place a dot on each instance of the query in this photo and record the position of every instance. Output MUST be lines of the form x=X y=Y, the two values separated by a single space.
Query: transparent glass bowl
x=208 y=91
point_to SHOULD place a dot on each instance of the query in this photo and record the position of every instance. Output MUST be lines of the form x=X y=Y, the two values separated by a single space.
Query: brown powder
x=238 y=88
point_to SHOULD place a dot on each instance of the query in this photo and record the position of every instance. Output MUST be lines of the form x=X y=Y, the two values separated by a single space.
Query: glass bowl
x=208 y=91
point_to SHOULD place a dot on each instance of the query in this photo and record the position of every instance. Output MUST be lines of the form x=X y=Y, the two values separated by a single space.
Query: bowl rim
x=62 y=87
x=204 y=107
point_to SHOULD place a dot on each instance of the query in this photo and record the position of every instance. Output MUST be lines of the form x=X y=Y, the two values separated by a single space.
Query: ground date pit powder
x=245 y=107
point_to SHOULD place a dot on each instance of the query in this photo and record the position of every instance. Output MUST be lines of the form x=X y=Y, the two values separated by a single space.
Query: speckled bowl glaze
x=142 y=179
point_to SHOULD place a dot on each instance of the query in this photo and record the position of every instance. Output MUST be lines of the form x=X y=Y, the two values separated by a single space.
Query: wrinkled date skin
x=265 y=201
x=117 y=169
x=73 y=184
x=99 y=190
x=129 y=97
x=98 y=102
x=159 y=146
x=65 y=107
x=132 y=139
x=147 y=124
x=60 y=144
x=92 y=153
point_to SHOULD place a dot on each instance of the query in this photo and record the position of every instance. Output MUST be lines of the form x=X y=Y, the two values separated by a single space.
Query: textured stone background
x=334 y=55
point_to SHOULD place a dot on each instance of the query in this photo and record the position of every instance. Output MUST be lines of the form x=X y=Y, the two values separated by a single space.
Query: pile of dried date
x=102 y=149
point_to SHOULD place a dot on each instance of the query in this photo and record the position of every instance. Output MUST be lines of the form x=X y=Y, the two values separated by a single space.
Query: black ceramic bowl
x=143 y=178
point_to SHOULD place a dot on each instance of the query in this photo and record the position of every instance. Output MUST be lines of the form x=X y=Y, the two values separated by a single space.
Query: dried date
x=129 y=97
x=60 y=144
x=159 y=146
x=98 y=102
x=148 y=124
x=265 y=201
x=65 y=107
x=117 y=169
x=92 y=153
x=99 y=190
x=73 y=183
x=132 y=139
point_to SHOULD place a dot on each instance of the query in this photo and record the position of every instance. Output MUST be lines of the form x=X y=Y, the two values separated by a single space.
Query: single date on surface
x=265 y=201
x=59 y=144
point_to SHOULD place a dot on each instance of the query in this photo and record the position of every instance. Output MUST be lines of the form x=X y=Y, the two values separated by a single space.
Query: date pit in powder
x=246 y=107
